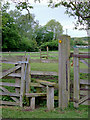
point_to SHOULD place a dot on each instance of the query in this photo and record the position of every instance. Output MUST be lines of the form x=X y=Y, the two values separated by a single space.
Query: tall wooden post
x=28 y=77
x=76 y=78
x=22 y=89
x=64 y=76
x=47 y=52
x=40 y=54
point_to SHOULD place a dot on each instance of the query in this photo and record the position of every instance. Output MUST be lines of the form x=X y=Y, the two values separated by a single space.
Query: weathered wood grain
x=9 y=94
x=8 y=103
x=76 y=78
x=84 y=82
x=10 y=71
x=44 y=73
x=83 y=100
x=33 y=103
x=35 y=94
x=10 y=84
x=50 y=98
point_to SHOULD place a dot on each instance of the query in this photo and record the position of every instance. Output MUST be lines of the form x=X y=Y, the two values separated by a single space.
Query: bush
x=28 y=45
x=53 y=45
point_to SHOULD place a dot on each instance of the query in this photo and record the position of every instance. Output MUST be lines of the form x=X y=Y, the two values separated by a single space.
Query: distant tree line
x=23 y=33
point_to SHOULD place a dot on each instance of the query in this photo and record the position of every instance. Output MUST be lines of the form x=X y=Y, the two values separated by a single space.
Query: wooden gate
x=81 y=87
x=15 y=78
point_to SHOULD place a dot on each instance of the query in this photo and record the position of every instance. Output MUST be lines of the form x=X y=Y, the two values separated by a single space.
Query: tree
x=76 y=8
x=10 y=34
x=42 y=35
x=55 y=27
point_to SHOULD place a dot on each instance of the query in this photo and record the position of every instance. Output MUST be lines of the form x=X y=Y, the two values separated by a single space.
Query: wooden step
x=35 y=94
x=47 y=83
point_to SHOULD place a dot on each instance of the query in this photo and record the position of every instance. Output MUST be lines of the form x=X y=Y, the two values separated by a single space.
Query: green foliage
x=78 y=9
x=10 y=35
x=55 y=27
x=53 y=45
x=43 y=35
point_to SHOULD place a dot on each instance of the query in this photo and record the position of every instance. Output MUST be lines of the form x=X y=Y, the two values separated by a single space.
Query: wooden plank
x=5 y=90
x=47 y=83
x=84 y=71
x=84 y=92
x=84 y=82
x=83 y=99
x=33 y=103
x=36 y=85
x=35 y=94
x=76 y=78
x=43 y=61
x=85 y=62
x=87 y=102
x=28 y=78
x=8 y=103
x=9 y=94
x=80 y=56
x=17 y=81
x=10 y=71
x=22 y=90
x=28 y=75
x=44 y=73
x=49 y=61
x=68 y=68
x=15 y=75
x=50 y=98
x=8 y=62
x=10 y=84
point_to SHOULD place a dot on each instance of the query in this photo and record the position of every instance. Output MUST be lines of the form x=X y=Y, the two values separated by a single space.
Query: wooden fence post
x=76 y=79
x=9 y=52
x=28 y=78
x=64 y=76
x=40 y=54
x=22 y=89
x=32 y=103
x=28 y=75
x=50 y=98
x=47 y=52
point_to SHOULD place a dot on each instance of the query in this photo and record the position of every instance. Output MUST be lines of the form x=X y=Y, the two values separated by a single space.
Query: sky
x=43 y=14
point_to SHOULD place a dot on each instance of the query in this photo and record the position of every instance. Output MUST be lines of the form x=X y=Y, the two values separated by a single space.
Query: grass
x=42 y=112
x=26 y=112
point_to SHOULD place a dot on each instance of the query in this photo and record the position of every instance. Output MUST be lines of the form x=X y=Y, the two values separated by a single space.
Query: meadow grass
x=42 y=112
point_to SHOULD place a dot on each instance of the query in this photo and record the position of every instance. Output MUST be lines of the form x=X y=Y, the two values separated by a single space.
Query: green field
x=41 y=112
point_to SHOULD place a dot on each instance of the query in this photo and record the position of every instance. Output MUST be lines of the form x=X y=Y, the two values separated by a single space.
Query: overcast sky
x=43 y=14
